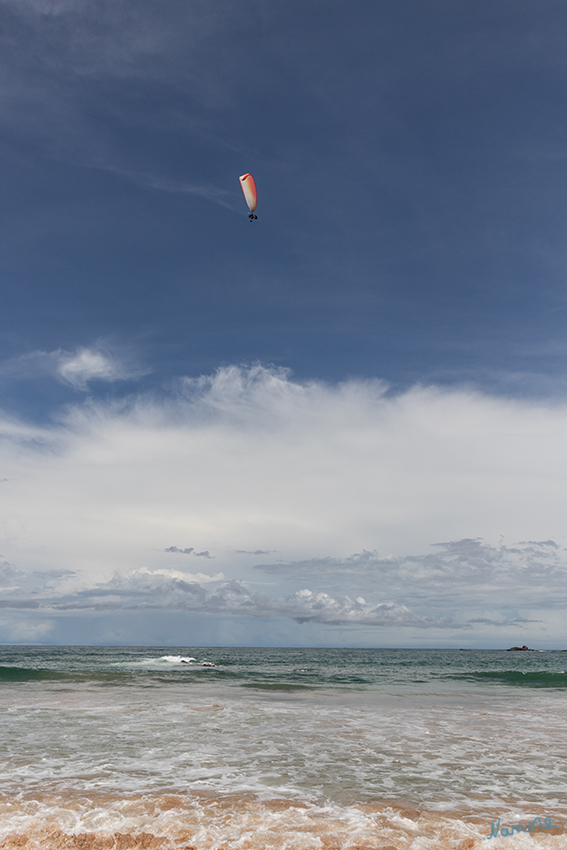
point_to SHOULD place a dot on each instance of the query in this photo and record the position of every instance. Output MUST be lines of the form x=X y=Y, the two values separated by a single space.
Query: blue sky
x=373 y=368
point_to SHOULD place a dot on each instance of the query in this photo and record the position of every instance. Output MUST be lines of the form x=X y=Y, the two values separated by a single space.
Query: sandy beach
x=213 y=823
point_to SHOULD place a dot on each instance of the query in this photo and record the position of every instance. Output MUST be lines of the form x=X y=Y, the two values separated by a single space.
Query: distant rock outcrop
x=520 y=649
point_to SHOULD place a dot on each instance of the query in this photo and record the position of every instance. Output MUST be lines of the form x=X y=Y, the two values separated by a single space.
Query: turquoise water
x=350 y=736
x=310 y=669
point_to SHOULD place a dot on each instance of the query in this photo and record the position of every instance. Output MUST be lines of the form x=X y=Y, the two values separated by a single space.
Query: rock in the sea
x=520 y=649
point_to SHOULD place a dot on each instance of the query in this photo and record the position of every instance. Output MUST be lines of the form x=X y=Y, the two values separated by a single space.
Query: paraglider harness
x=252 y=217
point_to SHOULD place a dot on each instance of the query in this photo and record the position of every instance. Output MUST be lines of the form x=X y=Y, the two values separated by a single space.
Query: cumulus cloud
x=76 y=368
x=305 y=606
x=173 y=590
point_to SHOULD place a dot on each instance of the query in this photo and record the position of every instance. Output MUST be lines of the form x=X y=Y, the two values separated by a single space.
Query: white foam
x=178 y=659
x=211 y=822
x=196 y=734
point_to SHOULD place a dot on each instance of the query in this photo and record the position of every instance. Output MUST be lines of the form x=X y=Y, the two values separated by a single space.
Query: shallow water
x=284 y=748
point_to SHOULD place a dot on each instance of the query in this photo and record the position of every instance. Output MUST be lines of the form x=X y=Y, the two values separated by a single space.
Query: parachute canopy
x=249 y=189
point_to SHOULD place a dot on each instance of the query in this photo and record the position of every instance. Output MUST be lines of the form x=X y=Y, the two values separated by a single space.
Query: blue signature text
x=519 y=827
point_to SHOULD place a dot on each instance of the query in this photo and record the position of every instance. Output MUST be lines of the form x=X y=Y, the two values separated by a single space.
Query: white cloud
x=88 y=365
x=77 y=368
x=249 y=460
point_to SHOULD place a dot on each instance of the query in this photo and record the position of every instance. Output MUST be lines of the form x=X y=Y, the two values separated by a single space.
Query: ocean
x=221 y=748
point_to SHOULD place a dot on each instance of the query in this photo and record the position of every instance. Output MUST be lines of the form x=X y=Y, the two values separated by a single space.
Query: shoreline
x=74 y=820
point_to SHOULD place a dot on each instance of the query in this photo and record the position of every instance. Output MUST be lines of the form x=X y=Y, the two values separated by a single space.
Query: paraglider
x=249 y=189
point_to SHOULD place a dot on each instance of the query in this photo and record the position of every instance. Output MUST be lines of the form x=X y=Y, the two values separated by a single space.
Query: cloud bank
x=248 y=462
x=526 y=574
x=162 y=590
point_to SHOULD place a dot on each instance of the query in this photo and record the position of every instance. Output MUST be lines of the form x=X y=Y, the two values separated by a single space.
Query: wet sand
x=211 y=822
